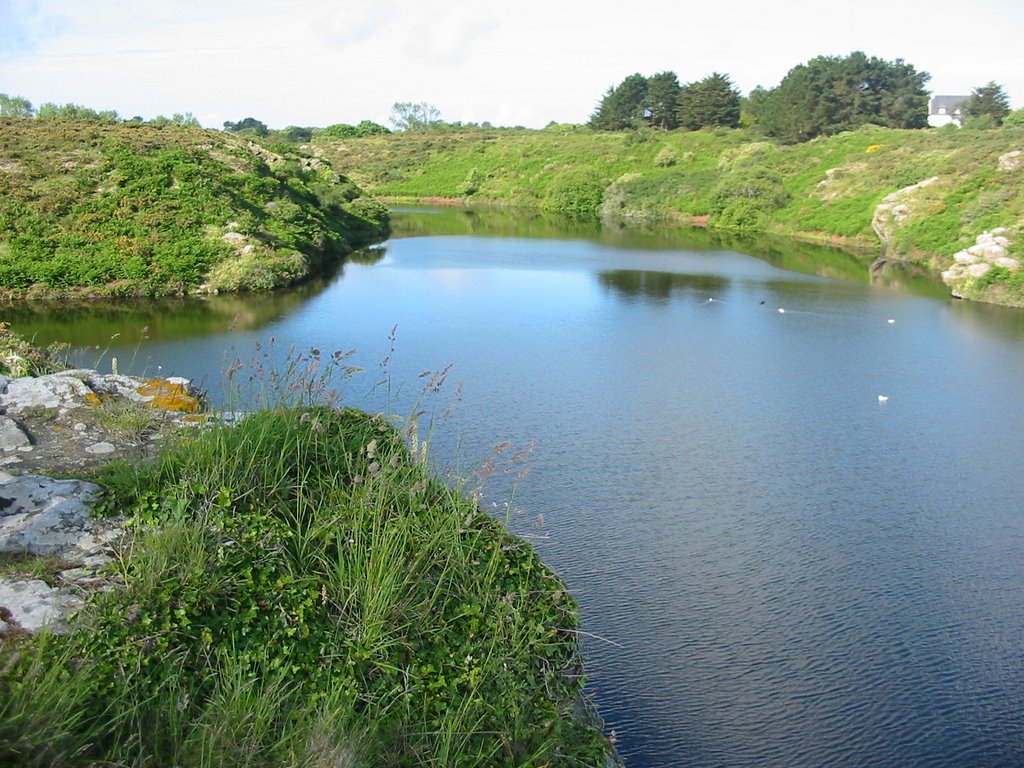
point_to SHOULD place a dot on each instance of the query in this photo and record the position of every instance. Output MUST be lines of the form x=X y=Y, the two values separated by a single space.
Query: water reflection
x=487 y=222
x=95 y=323
x=785 y=253
x=660 y=285
x=368 y=256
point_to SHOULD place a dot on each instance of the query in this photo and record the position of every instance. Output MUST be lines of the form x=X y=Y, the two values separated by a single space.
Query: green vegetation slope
x=141 y=209
x=828 y=189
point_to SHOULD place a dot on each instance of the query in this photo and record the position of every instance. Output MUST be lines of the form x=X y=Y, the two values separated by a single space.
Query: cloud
x=314 y=62
x=352 y=23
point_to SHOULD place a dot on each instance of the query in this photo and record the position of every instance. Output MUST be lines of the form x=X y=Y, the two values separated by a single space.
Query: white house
x=943 y=110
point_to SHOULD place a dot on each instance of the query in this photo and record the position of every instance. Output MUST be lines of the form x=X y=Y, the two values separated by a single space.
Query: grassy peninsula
x=829 y=189
x=298 y=589
x=91 y=207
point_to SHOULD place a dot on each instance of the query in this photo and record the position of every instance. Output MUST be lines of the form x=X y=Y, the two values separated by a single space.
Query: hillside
x=831 y=190
x=97 y=208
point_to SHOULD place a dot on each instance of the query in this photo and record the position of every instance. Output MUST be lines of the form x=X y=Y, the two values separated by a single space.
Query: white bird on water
x=883 y=398
x=782 y=311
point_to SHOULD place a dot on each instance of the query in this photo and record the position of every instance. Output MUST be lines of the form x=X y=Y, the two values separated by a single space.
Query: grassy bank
x=826 y=190
x=123 y=209
x=300 y=591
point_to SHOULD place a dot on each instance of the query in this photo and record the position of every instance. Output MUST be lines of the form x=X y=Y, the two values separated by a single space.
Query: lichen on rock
x=63 y=422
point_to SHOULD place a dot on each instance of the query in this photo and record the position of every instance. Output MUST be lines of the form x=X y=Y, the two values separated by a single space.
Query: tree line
x=827 y=95
x=18 y=107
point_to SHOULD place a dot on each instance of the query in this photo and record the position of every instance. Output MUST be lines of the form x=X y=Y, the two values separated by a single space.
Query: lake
x=775 y=565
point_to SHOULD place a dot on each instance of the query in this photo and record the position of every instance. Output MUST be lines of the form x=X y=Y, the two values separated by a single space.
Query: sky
x=320 y=62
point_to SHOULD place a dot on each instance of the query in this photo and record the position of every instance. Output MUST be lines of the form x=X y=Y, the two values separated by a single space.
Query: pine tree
x=712 y=101
x=989 y=99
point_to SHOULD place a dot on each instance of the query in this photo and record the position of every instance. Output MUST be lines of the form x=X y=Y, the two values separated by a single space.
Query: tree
x=15 y=106
x=370 y=128
x=414 y=117
x=187 y=120
x=51 y=111
x=623 y=106
x=346 y=131
x=247 y=125
x=660 y=101
x=712 y=101
x=830 y=94
x=989 y=99
x=753 y=107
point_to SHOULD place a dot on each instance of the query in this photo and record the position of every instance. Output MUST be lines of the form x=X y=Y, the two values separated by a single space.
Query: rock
x=989 y=250
x=43 y=516
x=47 y=517
x=895 y=209
x=12 y=436
x=59 y=392
x=67 y=421
x=1011 y=161
x=32 y=605
x=59 y=423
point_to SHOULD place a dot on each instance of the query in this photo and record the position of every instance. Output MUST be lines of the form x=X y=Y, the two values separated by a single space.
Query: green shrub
x=745 y=197
x=575 y=195
x=1015 y=119
x=665 y=158
x=472 y=182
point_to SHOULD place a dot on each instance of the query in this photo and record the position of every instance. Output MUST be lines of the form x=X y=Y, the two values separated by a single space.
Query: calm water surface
x=784 y=570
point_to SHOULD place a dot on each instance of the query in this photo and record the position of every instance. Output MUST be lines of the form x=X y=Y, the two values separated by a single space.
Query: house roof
x=948 y=103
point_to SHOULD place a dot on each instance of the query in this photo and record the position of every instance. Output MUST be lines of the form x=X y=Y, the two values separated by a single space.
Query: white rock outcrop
x=43 y=516
x=61 y=421
x=53 y=518
x=1012 y=161
x=895 y=209
x=12 y=436
x=32 y=605
x=990 y=250
x=51 y=424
